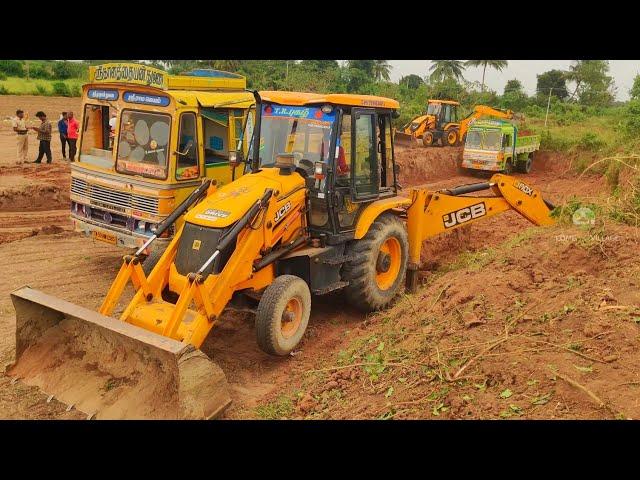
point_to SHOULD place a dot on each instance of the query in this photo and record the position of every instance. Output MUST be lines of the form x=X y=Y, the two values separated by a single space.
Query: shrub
x=37 y=70
x=42 y=89
x=61 y=89
x=11 y=68
x=3 y=76
x=64 y=70
x=590 y=141
x=75 y=91
x=534 y=111
x=3 y=90
x=631 y=123
x=554 y=142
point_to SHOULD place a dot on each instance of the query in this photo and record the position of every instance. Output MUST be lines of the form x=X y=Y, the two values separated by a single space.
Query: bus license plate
x=105 y=237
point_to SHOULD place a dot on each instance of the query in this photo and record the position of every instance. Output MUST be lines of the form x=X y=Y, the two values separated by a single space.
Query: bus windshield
x=143 y=143
x=304 y=132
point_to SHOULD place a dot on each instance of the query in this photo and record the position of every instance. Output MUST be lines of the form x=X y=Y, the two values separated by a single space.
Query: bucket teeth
x=49 y=398
x=91 y=416
x=14 y=380
x=69 y=407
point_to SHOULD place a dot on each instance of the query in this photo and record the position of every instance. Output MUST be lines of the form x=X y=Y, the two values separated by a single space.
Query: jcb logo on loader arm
x=464 y=215
x=523 y=187
x=282 y=211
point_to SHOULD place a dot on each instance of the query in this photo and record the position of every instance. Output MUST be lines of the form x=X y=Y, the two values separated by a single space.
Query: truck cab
x=147 y=140
x=498 y=146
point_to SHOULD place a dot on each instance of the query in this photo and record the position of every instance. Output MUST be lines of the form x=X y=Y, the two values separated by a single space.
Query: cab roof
x=303 y=98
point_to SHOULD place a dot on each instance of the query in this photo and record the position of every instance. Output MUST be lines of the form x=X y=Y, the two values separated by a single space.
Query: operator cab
x=340 y=144
x=444 y=111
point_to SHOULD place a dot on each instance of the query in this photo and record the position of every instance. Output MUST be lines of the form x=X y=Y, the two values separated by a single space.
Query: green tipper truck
x=498 y=146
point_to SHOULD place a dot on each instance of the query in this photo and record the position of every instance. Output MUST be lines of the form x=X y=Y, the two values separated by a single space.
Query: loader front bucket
x=404 y=139
x=108 y=368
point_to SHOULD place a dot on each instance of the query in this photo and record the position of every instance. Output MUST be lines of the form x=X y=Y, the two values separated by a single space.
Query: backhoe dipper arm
x=480 y=111
x=432 y=213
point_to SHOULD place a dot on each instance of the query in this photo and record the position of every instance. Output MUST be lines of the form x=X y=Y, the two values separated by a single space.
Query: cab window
x=187 y=166
x=343 y=151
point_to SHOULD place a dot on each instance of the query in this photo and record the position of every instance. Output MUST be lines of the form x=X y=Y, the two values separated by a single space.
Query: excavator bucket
x=404 y=139
x=110 y=369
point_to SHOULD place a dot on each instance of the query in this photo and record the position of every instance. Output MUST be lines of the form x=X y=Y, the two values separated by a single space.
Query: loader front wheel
x=283 y=315
x=378 y=265
x=427 y=138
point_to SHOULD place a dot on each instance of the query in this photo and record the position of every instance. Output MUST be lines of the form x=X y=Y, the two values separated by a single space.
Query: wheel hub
x=383 y=264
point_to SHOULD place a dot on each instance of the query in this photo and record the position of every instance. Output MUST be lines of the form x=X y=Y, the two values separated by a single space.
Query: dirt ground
x=556 y=307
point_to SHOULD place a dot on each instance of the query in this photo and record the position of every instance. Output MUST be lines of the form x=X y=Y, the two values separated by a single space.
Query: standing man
x=72 y=135
x=62 y=130
x=44 y=136
x=20 y=127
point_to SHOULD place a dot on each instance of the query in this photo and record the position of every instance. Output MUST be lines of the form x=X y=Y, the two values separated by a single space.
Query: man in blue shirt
x=62 y=130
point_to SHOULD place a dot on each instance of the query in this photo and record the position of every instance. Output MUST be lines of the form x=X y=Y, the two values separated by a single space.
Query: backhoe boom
x=432 y=213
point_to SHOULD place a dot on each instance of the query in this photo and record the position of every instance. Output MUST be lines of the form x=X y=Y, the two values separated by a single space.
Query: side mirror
x=236 y=158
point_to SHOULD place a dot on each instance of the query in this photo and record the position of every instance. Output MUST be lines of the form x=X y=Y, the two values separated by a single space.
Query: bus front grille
x=118 y=200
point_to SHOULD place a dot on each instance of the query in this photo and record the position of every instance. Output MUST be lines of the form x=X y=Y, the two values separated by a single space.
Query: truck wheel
x=427 y=138
x=508 y=166
x=282 y=315
x=451 y=137
x=152 y=260
x=525 y=167
x=379 y=264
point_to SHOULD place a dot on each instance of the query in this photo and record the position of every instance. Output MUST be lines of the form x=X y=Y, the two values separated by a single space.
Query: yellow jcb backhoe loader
x=318 y=210
x=440 y=124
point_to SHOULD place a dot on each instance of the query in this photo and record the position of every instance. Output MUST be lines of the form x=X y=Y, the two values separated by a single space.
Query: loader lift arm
x=432 y=213
x=480 y=111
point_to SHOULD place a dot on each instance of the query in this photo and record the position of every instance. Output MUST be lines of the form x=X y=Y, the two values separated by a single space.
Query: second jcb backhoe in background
x=441 y=124
x=317 y=210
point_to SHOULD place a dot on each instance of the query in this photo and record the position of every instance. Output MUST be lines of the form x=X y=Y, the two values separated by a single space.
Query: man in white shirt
x=20 y=127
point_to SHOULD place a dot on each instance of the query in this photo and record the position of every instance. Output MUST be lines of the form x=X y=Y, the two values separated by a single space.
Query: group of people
x=68 y=128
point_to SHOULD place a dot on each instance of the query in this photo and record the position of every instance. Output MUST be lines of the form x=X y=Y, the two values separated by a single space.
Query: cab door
x=357 y=166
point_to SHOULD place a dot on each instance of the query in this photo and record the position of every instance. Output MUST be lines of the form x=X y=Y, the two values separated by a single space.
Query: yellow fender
x=374 y=210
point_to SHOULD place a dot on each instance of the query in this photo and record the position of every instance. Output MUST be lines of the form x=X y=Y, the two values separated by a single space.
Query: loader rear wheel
x=379 y=264
x=452 y=137
x=282 y=315
x=427 y=138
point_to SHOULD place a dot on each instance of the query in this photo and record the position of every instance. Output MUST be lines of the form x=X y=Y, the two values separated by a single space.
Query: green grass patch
x=282 y=407
x=22 y=86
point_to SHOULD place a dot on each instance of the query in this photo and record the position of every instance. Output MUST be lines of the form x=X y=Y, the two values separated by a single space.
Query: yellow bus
x=147 y=140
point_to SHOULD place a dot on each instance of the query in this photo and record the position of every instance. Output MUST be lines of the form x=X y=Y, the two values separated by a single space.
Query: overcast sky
x=622 y=71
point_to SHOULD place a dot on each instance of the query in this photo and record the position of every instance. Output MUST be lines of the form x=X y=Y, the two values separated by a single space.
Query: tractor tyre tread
x=362 y=291
x=268 y=314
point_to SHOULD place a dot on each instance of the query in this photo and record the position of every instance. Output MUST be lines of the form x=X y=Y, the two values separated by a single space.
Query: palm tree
x=446 y=69
x=498 y=65
x=381 y=70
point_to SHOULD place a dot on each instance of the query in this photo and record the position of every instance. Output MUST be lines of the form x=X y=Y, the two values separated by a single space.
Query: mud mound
x=18 y=194
x=421 y=165
x=544 y=326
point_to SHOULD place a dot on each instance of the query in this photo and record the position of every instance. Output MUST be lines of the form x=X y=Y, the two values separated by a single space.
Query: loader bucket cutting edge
x=108 y=367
